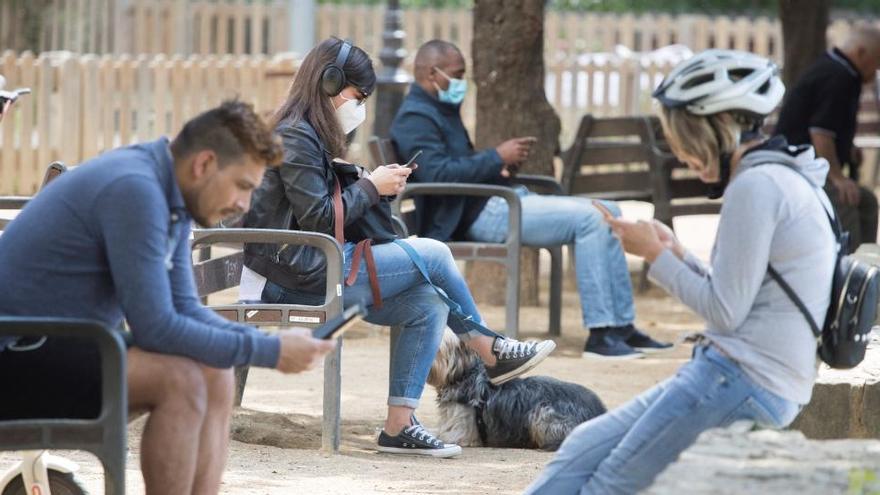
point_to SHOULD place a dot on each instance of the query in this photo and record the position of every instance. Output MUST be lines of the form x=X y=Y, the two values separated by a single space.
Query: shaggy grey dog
x=534 y=412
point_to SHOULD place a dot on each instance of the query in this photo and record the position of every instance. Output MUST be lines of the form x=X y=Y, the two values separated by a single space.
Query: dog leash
x=454 y=308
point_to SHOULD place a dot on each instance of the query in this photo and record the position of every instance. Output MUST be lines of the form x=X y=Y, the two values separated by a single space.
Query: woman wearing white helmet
x=757 y=358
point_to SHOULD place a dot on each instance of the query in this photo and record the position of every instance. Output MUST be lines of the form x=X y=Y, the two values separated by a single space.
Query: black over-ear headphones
x=333 y=78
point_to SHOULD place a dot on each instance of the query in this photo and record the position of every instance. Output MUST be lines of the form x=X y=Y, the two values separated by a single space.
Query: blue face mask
x=454 y=94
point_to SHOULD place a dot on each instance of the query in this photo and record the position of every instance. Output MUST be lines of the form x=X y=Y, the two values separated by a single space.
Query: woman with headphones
x=757 y=358
x=327 y=101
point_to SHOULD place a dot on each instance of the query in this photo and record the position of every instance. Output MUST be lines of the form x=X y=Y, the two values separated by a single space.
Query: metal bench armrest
x=328 y=245
x=543 y=184
x=514 y=225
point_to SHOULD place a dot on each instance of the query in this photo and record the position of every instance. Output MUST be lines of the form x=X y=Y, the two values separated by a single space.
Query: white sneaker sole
x=653 y=350
x=531 y=363
x=450 y=451
x=605 y=357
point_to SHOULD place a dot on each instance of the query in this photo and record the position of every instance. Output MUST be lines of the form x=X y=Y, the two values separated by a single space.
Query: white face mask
x=351 y=114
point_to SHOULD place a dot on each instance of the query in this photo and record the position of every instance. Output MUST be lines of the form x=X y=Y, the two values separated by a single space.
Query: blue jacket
x=425 y=123
x=110 y=239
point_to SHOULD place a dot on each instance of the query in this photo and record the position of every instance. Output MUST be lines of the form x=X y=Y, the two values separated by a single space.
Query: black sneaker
x=513 y=358
x=605 y=345
x=416 y=440
x=641 y=342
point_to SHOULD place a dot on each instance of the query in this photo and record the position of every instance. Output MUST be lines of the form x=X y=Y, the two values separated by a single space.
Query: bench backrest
x=610 y=158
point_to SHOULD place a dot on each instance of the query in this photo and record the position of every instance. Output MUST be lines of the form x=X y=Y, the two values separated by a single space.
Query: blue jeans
x=622 y=451
x=409 y=303
x=600 y=265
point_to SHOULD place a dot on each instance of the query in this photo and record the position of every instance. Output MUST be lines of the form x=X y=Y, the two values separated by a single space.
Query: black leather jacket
x=298 y=195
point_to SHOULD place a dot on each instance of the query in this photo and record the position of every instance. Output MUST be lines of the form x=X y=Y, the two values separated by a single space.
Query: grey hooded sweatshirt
x=770 y=214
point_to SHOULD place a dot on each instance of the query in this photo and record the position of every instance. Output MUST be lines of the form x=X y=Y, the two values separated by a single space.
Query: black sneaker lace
x=513 y=349
x=419 y=432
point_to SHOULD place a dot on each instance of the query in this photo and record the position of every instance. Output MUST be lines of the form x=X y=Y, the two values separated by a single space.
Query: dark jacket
x=427 y=124
x=298 y=195
x=825 y=97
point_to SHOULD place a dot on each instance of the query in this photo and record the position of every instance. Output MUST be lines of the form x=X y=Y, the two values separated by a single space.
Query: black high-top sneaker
x=513 y=358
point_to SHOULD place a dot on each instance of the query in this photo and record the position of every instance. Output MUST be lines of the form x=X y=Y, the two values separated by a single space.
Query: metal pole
x=393 y=80
x=302 y=18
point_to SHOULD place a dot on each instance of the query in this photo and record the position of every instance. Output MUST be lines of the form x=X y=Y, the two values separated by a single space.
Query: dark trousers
x=860 y=219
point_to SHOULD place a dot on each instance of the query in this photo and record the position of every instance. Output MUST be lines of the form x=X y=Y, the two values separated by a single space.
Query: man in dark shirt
x=822 y=110
x=110 y=240
x=430 y=120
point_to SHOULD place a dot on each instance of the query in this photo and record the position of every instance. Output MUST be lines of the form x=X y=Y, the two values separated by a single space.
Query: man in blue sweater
x=110 y=240
x=430 y=120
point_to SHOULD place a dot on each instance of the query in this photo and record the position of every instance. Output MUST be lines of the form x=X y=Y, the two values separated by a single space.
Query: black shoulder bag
x=843 y=338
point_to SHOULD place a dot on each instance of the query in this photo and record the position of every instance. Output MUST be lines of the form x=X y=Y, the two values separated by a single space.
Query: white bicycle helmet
x=715 y=81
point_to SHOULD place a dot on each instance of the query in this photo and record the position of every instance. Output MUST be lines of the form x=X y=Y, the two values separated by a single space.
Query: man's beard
x=191 y=201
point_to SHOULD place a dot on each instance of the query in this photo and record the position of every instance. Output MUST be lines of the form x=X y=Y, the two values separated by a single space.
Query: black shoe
x=606 y=344
x=416 y=440
x=513 y=358
x=639 y=341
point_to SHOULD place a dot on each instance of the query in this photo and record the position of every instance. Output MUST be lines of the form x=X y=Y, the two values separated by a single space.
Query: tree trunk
x=804 y=24
x=508 y=66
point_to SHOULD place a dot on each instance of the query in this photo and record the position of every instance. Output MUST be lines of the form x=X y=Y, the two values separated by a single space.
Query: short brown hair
x=230 y=130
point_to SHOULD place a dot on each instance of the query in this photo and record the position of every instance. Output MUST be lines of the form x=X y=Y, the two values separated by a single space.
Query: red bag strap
x=364 y=250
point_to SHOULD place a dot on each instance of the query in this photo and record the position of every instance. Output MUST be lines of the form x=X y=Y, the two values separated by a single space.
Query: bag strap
x=838 y=234
x=362 y=250
x=795 y=299
x=338 y=211
x=454 y=308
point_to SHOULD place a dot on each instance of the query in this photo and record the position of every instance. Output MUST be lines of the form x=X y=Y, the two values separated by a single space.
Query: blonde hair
x=698 y=136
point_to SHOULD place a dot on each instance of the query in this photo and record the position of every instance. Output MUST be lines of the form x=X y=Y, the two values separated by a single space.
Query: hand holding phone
x=639 y=238
x=412 y=160
x=335 y=327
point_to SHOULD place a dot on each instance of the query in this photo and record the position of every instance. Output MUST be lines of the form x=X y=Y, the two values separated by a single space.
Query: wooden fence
x=83 y=105
x=570 y=34
x=261 y=27
x=185 y=27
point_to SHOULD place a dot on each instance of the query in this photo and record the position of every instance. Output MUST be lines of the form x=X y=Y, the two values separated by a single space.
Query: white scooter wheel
x=59 y=484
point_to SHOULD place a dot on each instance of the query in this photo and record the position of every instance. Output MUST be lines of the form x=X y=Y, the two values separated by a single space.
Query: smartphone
x=412 y=160
x=340 y=324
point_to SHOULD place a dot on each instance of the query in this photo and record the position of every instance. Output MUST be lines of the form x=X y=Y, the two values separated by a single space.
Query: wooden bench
x=221 y=272
x=507 y=253
x=610 y=158
x=627 y=158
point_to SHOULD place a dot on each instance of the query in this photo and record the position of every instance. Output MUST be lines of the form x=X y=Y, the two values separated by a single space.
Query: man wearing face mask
x=822 y=109
x=429 y=120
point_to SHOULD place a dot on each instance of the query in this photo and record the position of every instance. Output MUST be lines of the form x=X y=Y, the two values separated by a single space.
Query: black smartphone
x=340 y=324
x=412 y=160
